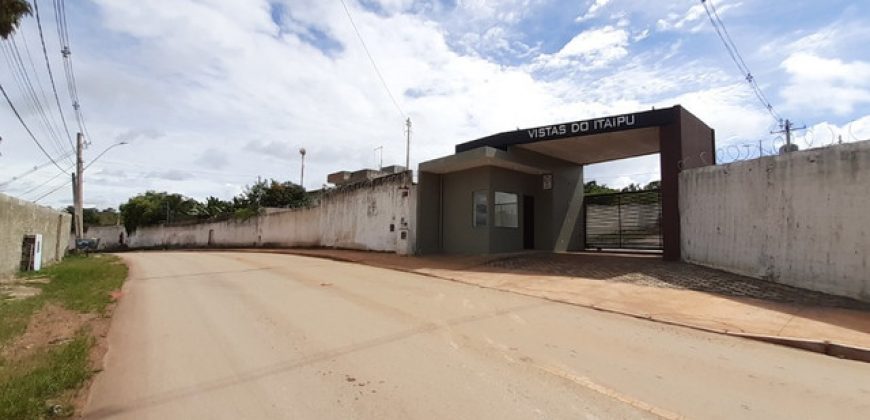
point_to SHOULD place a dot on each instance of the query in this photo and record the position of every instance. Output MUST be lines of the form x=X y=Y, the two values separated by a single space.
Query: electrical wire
x=69 y=73
x=19 y=71
x=26 y=128
x=32 y=189
x=50 y=192
x=43 y=102
x=51 y=74
x=27 y=173
x=372 y=60
x=734 y=53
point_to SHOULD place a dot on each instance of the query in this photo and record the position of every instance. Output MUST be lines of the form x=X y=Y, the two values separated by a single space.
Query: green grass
x=26 y=385
x=83 y=283
x=79 y=283
x=14 y=315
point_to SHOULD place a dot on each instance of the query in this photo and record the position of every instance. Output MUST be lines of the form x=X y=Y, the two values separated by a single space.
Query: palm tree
x=11 y=12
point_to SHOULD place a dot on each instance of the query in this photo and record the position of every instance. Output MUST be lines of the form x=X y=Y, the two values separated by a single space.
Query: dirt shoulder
x=53 y=338
x=644 y=286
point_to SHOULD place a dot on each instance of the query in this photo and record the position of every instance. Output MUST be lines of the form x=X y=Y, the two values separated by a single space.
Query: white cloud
x=592 y=11
x=593 y=48
x=825 y=83
x=693 y=19
x=215 y=90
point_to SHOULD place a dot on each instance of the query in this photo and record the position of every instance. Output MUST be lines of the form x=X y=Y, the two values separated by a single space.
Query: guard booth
x=523 y=189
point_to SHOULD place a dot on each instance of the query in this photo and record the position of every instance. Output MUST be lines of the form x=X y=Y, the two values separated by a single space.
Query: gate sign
x=592 y=126
x=644 y=119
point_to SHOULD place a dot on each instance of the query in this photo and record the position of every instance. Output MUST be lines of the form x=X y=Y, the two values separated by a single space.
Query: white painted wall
x=107 y=235
x=801 y=219
x=354 y=217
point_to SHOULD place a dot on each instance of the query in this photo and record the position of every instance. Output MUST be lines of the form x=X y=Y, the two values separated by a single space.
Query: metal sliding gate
x=626 y=220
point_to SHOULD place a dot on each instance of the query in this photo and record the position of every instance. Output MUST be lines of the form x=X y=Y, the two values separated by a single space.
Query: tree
x=11 y=12
x=631 y=188
x=654 y=185
x=94 y=217
x=152 y=208
x=215 y=207
x=592 y=187
x=272 y=193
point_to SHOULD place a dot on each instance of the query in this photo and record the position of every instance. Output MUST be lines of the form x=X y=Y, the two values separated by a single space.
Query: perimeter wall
x=801 y=219
x=373 y=215
x=19 y=218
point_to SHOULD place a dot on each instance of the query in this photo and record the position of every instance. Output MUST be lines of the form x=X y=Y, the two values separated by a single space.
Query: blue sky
x=213 y=93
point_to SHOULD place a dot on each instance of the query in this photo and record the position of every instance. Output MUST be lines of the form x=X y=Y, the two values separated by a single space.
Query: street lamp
x=104 y=152
x=302 y=169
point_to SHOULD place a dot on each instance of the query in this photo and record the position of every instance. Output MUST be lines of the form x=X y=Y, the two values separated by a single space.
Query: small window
x=481 y=210
x=506 y=210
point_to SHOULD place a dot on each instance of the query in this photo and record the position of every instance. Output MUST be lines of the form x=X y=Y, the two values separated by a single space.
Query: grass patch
x=82 y=283
x=28 y=384
x=78 y=283
x=14 y=316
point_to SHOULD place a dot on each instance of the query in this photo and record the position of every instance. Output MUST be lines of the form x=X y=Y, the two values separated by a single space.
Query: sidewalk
x=646 y=287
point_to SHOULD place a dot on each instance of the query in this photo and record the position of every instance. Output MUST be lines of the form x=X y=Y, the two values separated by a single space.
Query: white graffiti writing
x=582 y=126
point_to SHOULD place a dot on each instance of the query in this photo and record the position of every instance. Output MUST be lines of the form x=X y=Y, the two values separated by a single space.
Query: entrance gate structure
x=523 y=189
x=623 y=220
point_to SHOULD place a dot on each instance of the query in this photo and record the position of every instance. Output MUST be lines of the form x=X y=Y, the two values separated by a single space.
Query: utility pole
x=78 y=182
x=381 y=161
x=787 y=128
x=408 y=144
x=302 y=169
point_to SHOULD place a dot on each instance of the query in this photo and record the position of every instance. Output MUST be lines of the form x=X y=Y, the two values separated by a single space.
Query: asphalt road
x=266 y=336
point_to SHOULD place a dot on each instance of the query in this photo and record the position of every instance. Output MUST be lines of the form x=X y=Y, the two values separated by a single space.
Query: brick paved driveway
x=650 y=270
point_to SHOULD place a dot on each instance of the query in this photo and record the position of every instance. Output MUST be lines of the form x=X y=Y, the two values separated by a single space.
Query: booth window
x=481 y=212
x=506 y=210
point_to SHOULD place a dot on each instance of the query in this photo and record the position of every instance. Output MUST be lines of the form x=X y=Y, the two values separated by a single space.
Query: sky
x=211 y=94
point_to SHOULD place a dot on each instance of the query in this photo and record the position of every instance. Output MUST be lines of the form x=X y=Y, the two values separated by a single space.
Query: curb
x=825 y=347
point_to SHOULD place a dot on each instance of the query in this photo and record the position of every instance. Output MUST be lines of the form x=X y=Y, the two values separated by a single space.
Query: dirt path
x=241 y=335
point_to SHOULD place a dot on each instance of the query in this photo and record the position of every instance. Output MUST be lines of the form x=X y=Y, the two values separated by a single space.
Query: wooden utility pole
x=78 y=188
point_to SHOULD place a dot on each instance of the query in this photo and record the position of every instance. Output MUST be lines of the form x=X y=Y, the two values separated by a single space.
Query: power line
x=64 y=184
x=22 y=79
x=69 y=73
x=30 y=171
x=734 y=53
x=51 y=74
x=43 y=103
x=371 y=59
x=32 y=189
x=26 y=128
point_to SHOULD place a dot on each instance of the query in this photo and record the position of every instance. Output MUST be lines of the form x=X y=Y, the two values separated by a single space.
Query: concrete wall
x=371 y=215
x=507 y=239
x=459 y=235
x=108 y=236
x=19 y=218
x=801 y=219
